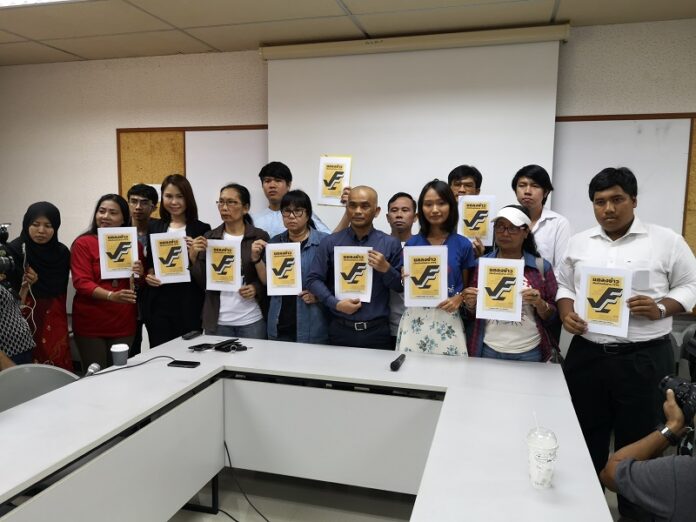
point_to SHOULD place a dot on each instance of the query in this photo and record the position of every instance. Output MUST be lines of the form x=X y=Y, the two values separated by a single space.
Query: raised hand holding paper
x=352 y=273
x=426 y=267
x=500 y=284
x=601 y=301
x=475 y=213
x=223 y=266
x=283 y=269
x=170 y=257
x=118 y=250
x=334 y=176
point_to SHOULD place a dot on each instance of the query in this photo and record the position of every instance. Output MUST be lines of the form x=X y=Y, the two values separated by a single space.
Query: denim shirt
x=312 y=319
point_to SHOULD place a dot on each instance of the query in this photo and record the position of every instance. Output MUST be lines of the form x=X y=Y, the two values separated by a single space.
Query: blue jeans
x=255 y=330
x=533 y=355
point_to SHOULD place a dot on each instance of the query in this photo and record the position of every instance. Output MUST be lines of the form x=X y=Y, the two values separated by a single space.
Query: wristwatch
x=663 y=310
x=668 y=434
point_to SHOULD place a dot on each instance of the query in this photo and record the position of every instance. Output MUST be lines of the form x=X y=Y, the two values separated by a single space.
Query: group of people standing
x=612 y=381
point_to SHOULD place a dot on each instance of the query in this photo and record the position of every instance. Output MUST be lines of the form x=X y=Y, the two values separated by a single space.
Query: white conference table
x=450 y=430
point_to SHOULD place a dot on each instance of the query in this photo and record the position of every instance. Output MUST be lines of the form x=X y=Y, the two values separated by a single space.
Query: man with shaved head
x=365 y=325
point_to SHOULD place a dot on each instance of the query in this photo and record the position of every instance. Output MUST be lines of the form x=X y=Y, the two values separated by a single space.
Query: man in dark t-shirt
x=663 y=486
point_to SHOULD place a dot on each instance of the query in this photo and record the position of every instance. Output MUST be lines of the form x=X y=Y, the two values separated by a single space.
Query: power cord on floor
x=226 y=513
x=240 y=486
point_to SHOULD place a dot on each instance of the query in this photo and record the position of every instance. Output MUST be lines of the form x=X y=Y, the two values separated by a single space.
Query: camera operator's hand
x=673 y=414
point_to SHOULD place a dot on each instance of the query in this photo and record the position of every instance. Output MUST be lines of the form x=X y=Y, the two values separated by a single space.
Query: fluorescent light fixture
x=29 y=3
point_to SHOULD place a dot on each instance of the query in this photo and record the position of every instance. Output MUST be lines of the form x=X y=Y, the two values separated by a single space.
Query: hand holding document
x=170 y=257
x=118 y=251
x=601 y=300
x=475 y=213
x=223 y=265
x=283 y=269
x=426 y=284
x=352 y=273
x=334 y=176
x=500 y=285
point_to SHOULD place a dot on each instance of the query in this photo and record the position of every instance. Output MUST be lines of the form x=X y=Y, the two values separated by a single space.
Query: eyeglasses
x=297 y=212
x=510 y=229
x=229 y=203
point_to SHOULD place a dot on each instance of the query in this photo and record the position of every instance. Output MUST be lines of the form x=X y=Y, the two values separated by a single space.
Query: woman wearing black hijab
x=43 y=282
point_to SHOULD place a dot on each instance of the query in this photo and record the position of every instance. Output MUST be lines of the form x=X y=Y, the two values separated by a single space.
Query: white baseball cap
x=514 y=216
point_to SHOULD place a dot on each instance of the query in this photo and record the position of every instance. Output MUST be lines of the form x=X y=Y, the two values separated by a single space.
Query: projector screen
x=409 y=117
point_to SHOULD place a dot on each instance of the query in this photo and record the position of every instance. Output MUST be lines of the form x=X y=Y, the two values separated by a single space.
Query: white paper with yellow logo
x=475 y=214
x=426 y=267
x=170 y=257
x=601 y=299
x=283 y=269
x=334 y=176
x=223 y=265
x=499 y=286
x=118 y=250
x=352 y=273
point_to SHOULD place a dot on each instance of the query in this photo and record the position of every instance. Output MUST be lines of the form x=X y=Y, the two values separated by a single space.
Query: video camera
x=684 y=394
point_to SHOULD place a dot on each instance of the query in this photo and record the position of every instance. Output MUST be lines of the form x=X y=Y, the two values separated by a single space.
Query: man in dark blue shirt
x=365 y=325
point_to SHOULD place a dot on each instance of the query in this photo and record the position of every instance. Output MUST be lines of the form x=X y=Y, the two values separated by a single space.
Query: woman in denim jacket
x=299 y=318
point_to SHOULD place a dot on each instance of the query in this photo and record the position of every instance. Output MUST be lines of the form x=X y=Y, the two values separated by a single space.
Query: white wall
x=628 y=69
x=406 y=118
x=58 y=121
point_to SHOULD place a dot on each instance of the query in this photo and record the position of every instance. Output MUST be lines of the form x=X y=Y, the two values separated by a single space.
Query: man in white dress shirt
x=532 y=186
x=613 y=381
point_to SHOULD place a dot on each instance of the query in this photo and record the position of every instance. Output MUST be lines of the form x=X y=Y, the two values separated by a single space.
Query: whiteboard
x=216 y=158
x=657 y=151
x=407 y=118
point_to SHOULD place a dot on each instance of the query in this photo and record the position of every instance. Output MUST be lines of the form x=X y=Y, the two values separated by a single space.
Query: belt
x=359 y=326
x=618 y=348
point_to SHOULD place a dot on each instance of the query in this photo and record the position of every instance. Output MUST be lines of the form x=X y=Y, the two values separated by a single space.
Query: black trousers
x=163 y=328
x=378 y=336
x=617 y=392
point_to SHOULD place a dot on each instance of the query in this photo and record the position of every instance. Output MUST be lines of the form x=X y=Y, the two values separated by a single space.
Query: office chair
x=27 y=381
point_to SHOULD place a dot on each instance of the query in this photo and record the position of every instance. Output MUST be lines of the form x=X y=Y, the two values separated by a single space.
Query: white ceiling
x=99 y=29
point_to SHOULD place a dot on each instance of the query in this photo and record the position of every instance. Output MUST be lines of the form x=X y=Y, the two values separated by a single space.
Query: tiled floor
x=283 y=499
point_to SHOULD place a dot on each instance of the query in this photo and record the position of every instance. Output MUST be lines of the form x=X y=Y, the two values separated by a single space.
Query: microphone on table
x=92 y=369
x=396 y=363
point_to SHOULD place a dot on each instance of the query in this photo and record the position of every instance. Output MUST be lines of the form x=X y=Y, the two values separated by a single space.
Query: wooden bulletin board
x=148 y=155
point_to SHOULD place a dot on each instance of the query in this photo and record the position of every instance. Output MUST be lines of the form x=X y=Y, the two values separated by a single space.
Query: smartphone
x=191 y=335
x=184 y=364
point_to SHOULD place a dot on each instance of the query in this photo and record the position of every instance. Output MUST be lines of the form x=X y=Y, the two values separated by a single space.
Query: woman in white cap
x=528 y=339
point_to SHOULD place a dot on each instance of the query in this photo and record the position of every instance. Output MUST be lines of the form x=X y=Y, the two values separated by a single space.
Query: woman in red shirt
x=104 y=311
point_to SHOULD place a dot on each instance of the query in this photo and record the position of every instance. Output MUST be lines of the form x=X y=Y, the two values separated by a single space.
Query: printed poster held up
x=283 y=269
x=170 y=257
x=475 y=214
x=499 y=288
x=223 y=265
x=334 y=176
x=601 y=300
x=118 y=250
x=352 y=273
x=426 y=284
